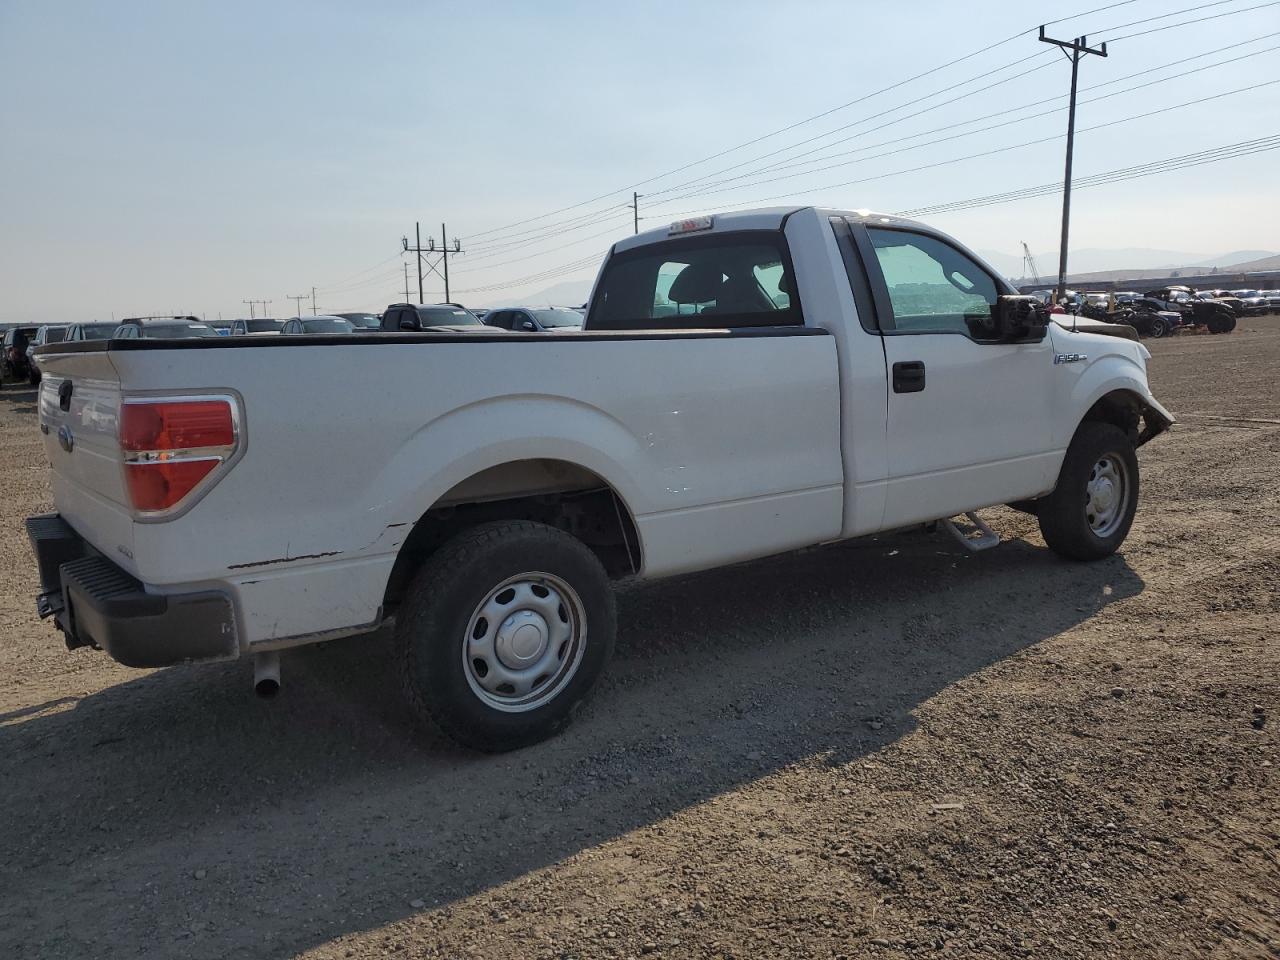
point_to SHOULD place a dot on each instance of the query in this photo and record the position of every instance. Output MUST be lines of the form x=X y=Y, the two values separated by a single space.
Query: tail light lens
x=172 y=446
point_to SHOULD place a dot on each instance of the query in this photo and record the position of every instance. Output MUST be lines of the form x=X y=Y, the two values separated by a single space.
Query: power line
x=612 y=228
x=998 y=113
x=833 y=186
x=360 y=273
x=1216 y=16
x=591 y=219
x=1153 y=168
x=818 y=116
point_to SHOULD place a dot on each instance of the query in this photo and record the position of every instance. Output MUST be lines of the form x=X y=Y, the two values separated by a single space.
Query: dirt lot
x=877 y=749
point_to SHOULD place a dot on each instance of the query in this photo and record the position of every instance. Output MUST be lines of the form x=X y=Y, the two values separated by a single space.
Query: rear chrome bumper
x=96 y=603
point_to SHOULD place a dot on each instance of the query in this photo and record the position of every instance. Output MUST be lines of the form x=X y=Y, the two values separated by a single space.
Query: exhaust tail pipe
x=266 y=674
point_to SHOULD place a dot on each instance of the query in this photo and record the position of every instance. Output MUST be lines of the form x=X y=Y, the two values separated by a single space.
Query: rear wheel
x=1159 y=327
x=1089 y=513
x=503 y=632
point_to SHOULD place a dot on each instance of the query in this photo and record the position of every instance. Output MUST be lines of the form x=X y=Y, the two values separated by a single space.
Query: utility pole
x=313 y=301
x=297 y=303
x=406 y=283
x=264 y=305
x=635 y=210
x=250 y=303
x=1079 y=47
x=441 y=266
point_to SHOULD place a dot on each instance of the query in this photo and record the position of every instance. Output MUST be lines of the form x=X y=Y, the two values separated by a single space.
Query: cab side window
x=933 y=287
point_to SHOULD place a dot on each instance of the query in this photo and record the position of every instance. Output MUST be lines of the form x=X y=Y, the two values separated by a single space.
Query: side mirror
x=1020 y=319
x=528 y=325
x=408 y=325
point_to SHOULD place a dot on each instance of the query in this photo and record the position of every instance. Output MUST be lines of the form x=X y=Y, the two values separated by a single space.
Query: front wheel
x=1089 y=513
x=1159 y=327
x=503 y=632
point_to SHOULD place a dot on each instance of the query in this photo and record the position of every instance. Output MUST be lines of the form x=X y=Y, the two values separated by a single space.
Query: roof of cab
x=762 y=218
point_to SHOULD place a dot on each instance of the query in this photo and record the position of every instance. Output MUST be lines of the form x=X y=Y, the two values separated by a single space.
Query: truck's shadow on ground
x=21 y=397
x=319 y=813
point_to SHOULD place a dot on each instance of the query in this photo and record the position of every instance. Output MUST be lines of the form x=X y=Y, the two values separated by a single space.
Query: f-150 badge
x=1069 y=357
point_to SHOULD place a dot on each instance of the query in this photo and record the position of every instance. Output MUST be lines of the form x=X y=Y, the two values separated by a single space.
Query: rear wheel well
x=559 y=494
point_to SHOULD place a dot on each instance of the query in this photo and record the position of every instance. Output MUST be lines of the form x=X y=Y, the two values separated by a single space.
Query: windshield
x=55 y=334
x=558 y=318
x=263 y=326
x=327 y=325
x=440 y=316
x=97 y=331
x=175 y=331
x=1246 y=293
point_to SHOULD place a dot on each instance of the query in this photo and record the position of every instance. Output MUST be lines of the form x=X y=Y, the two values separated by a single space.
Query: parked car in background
x=1223 y=296
x=49 y=333
x=166 y=328
x=1273 y=296
x=433 y=316
x=1196 y=311
x=14 y=364
x=1255 y=303
x=319 y=324
x=534 y=320
x=97 y=330
x=361 y=321
x=256 y=327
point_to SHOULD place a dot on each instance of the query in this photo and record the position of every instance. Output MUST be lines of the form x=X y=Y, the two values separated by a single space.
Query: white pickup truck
x=745 y=384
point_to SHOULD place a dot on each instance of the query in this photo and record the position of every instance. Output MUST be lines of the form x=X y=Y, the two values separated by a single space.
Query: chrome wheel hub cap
x=1106 y=495
x=524 y=642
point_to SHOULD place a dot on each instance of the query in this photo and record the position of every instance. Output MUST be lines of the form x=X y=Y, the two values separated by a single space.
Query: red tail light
x=171 y=446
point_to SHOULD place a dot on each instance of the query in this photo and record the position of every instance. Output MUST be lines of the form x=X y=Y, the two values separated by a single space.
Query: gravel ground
x=877 y=749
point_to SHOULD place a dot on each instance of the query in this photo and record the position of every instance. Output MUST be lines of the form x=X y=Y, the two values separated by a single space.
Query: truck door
x=969 y=422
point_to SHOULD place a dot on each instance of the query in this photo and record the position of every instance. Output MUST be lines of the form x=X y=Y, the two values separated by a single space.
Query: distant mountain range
x=1131 y=259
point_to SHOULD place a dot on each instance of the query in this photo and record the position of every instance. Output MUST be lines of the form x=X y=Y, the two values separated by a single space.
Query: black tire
x=1159 y=327
x=1065 y=520
x=446 y=597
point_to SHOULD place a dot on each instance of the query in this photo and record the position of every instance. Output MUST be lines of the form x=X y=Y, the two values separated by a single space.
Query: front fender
x=1106 y=371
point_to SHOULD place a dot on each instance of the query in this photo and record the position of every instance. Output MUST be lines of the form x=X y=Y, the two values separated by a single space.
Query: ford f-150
x=744 y=385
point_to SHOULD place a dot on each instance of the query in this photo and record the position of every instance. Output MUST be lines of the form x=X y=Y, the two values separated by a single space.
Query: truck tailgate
x=79 y=411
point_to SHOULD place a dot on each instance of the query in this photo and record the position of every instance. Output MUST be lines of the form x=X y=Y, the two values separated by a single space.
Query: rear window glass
x=174 y=331
x=559 y=318
x=718 y=280
x=55 y=335
x=327 y=326
x=441 y=316
x=263 y=326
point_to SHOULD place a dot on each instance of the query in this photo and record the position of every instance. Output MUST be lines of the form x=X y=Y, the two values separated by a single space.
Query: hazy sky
x=176 y=156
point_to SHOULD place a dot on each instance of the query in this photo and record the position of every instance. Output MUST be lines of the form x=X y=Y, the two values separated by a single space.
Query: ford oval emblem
x=65 y=439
